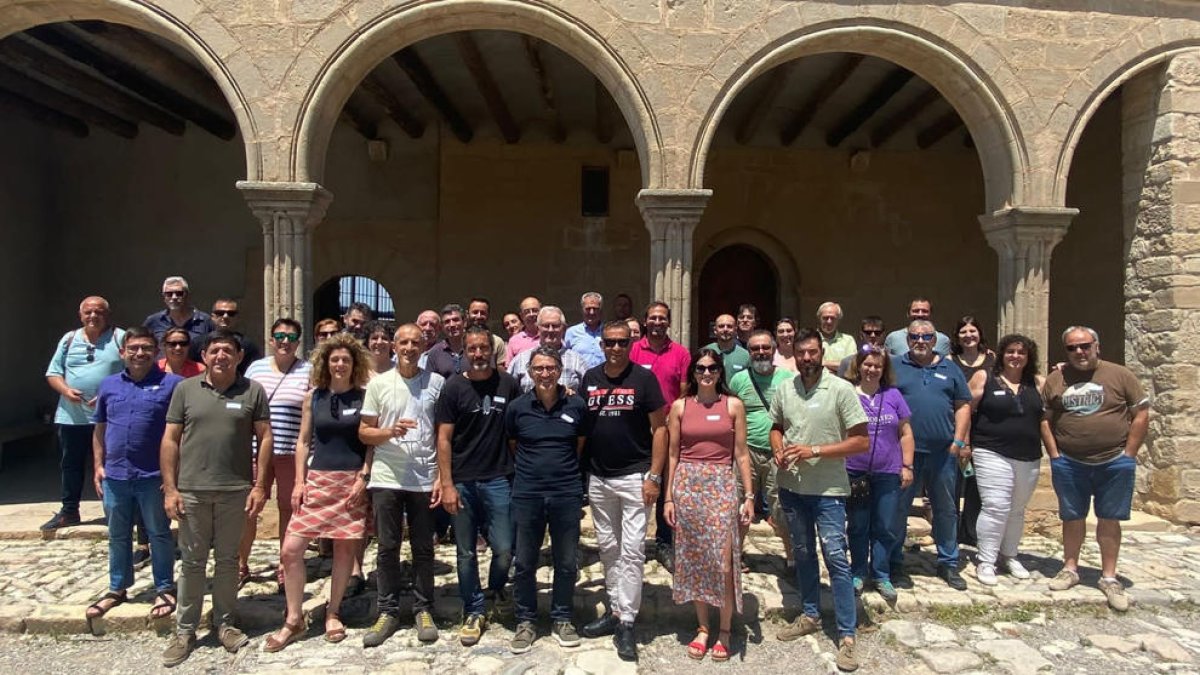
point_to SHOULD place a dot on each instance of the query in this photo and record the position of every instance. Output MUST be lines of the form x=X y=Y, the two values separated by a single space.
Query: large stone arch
x=160 y=19
x=971 y=90
x=410 y=23
x=763 y=242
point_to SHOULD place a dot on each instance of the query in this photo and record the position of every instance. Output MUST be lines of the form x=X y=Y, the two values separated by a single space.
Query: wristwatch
x=959 y=444
x=816 y=451
x=365 y=476
x=653 y=478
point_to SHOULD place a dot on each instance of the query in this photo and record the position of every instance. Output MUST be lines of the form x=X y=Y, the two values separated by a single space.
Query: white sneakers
x=1015 y=569
x=986 y=574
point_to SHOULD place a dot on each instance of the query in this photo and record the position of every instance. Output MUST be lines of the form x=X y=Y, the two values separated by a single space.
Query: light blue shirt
x=586 y=342
x=84 y=365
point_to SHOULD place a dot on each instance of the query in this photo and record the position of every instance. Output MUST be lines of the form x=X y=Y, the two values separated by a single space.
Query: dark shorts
x=1110 y=484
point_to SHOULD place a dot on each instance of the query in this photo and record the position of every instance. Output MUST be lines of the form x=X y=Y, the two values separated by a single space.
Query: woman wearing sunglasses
x=176 y=347
x=708 y=455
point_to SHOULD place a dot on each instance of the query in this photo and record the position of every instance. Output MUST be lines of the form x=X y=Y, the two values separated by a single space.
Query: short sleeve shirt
x=886 y=410
x=619 y=439
x=547 y=460
x=83 y=365
x=442 y=360
x=573 y=369
x=218 y=431
x=199 y=325
x=285 y=396
x=408 y=462
x=839 y=346
x=758 y=411
x=585 y=341
x=931 y=393
x=1090 y=411
x=668 y=365
x=818 y=416
x=734 y=361
x=478 y=447
x=521 y=342
x=135 y=415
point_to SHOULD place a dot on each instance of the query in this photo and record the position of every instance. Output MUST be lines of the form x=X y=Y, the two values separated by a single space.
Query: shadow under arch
x=412 y=22
x=145 y=16
x=766 y=244
x=972 y=93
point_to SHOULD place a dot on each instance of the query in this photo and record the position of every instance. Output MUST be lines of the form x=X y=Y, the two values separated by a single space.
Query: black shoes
x=666 y=556
x=625 y=641
x=61 y=519
x=952 y=578
x=605 y=625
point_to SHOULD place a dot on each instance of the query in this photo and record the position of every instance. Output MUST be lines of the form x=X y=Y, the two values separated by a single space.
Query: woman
x=885 y=469
x=326 y=328
x=635 y=329
x=329 y=499
x=707 y=432
x=511 y=323
x=785 y=342
x=1005 y=435
x=969 y=351
x=285 y=377
x=176 y=344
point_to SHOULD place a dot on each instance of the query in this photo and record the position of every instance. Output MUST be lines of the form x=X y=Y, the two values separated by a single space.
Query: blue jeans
x=809 y=517
x=483 y=505
x=75 y=442
x=938 y=472
x=122 y=499
x=870 y=529
x=532 y=515
x=1110 y=485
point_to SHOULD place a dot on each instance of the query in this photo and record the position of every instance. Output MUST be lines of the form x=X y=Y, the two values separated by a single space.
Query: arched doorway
x=733 y=276
x=334 y=297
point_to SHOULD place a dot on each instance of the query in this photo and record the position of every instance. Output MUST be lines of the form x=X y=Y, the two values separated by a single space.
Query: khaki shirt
x=819 y=416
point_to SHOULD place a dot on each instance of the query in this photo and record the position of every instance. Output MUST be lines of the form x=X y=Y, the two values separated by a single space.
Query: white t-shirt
x=408 y=462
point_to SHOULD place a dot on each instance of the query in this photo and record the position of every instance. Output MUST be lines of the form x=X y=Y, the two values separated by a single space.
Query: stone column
x=1024 y=238
x=671 y=217
x=288 y=213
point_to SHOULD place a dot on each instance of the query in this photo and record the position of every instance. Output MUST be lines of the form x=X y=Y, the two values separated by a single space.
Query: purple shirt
x=135 y=415
x=885 y=410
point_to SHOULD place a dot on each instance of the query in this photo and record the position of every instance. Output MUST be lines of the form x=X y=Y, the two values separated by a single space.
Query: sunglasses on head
x=285 y=337
x=615 y=342
x=922 y=337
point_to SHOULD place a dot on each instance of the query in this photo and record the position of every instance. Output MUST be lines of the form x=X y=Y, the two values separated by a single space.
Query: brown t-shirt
x=1090 y=411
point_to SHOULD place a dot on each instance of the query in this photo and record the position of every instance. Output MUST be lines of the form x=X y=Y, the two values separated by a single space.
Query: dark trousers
x=391 y=508
x=75 y=442
x=532 y=515
x=663 y=534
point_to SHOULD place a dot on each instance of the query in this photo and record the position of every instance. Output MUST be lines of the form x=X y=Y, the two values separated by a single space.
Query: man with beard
x=356 y=318
x=479 y=310
x=475 y=470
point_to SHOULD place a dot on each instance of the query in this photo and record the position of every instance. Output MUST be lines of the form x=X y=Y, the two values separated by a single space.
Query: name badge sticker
x=591 y=387
x=646 y=365
x=713 y=418
x=233 y=405
x=999 y=393
x=568 y=419
x=939 y=376
x=349 y=411
x=498 y=399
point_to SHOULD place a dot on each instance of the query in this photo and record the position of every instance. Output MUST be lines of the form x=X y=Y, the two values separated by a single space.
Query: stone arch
x=965 y=85
x=408 y=24
x=151 y=18
x=765 y=243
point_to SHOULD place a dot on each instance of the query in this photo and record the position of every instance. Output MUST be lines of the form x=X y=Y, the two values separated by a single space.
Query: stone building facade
x=1072 y=197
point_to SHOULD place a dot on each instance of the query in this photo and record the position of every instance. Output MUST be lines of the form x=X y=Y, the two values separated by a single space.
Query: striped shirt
x=285 y=392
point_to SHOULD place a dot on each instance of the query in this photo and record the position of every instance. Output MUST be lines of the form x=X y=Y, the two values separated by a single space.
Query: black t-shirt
x=335 y=443
x=479 y=450
x=619 y=439
x=547 y=445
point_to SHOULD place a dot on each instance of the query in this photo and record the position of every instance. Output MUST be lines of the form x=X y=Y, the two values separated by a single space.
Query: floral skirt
x=706 y=534
x=325 y=511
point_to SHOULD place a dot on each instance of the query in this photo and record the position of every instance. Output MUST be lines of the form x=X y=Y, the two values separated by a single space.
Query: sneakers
x=952 y=578
x=605 y=625
x=1066 y=578
x=523 y=639
x=1114 y=592
x=178 y=649
x=471 y=630
x=384 y=626
x=886 y=590
x=426 y=629
x=858 y=585
x=141 y=557
x=847 y=661
x=564 y=632
x=803 y=625
x=986 y=574
x=232 y=639
x=1014 y=568
x=61 y=519
x=625 y=641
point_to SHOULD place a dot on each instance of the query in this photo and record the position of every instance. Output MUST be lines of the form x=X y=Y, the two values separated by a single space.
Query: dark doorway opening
x=334 y=297
x=733 y=276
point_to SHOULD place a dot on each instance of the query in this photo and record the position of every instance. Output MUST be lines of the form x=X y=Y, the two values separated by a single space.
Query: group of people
x=385 y=430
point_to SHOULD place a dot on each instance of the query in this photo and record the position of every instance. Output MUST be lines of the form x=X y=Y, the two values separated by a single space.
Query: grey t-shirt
x=218 y=429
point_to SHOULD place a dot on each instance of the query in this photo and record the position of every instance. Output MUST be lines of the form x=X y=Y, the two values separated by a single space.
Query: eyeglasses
x=178 y=344
x=175 y=294
x=225 y=312
x=922 y=337
x=285 y=337
x=142 y=349
x=327 y=333
x=872 y=333
x=702 y=369
x=616 y=342
x=1081 y=347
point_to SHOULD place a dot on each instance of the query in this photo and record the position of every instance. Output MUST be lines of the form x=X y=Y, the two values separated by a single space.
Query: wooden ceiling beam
x=47 y=96
x=22 y=55
x=486 y=84
x=606 y=114
x=19 y=105
x=873 y=103
x=412 y=65
x=758 y=110
x=827 y=88
x=558 y=128
x=938 y=129
x=904 y=116
x=133 y=79
x=360 y=121
x=392 y=105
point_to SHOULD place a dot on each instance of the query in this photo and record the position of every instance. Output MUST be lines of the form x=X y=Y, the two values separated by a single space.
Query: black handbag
x=860 y=487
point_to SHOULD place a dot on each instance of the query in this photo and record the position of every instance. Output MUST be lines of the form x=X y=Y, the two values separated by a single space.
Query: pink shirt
x=521 y=342
x=669 y=365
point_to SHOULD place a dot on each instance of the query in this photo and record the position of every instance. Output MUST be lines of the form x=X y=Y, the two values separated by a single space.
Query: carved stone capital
x=296 y=207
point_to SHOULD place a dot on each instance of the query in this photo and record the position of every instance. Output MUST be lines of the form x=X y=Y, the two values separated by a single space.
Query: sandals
x=97 y=610
x=720 y=653
x=295 y=630
x=697 y=648
x=337 y=634
x=163 y=601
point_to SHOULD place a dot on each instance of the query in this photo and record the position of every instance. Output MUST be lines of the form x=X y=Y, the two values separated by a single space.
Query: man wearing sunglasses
x=1097 y=415
x=181 y=313
x=870 y=335
x=225 y=314
x=81 y=360
x=919 y=309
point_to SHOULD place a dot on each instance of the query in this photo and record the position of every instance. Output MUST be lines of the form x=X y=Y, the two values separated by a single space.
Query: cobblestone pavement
x=1014 y=627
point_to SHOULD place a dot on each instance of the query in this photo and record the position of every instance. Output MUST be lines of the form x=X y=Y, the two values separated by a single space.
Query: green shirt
x=758 y=415
x=820 y=416
x=736 y=360
x=839 y=346
x=218 y=429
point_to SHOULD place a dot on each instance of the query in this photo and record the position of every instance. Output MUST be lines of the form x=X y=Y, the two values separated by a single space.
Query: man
x=937 y=395
x=479 y=310
x=445 y=357
x=356 y=318
x=584 y=337
x=131 y=416
x=430 y=323
x=397 y=420
x=919 y=309
x=180 y=314
x=622 y=307
x=526 y=338
x=225 y=316
x=1095 y=422
x=212 y=422
x=625 y=453
x=734 y=355
x=475 y=471
x=870 y=333
x=747 y=321
x=81 y=361
x=817 y=422
x=838 y=345
x=551 y=325
x=756 y=388
x=668 y=361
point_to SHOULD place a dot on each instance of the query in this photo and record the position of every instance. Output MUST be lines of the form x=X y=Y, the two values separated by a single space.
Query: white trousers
x=1005 y=485
x=619 y=515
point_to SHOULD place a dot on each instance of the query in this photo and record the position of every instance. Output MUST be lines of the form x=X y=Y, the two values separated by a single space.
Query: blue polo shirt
x=547 y=461
x=931 y=392
x=136 y=417
x=586 y=341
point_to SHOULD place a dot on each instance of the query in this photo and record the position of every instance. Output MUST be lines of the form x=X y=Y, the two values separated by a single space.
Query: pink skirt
x=325 y=512
x=706 y=534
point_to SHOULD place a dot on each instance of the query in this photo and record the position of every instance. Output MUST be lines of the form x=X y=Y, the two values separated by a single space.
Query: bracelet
x=958 y=443
x=668 y=501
